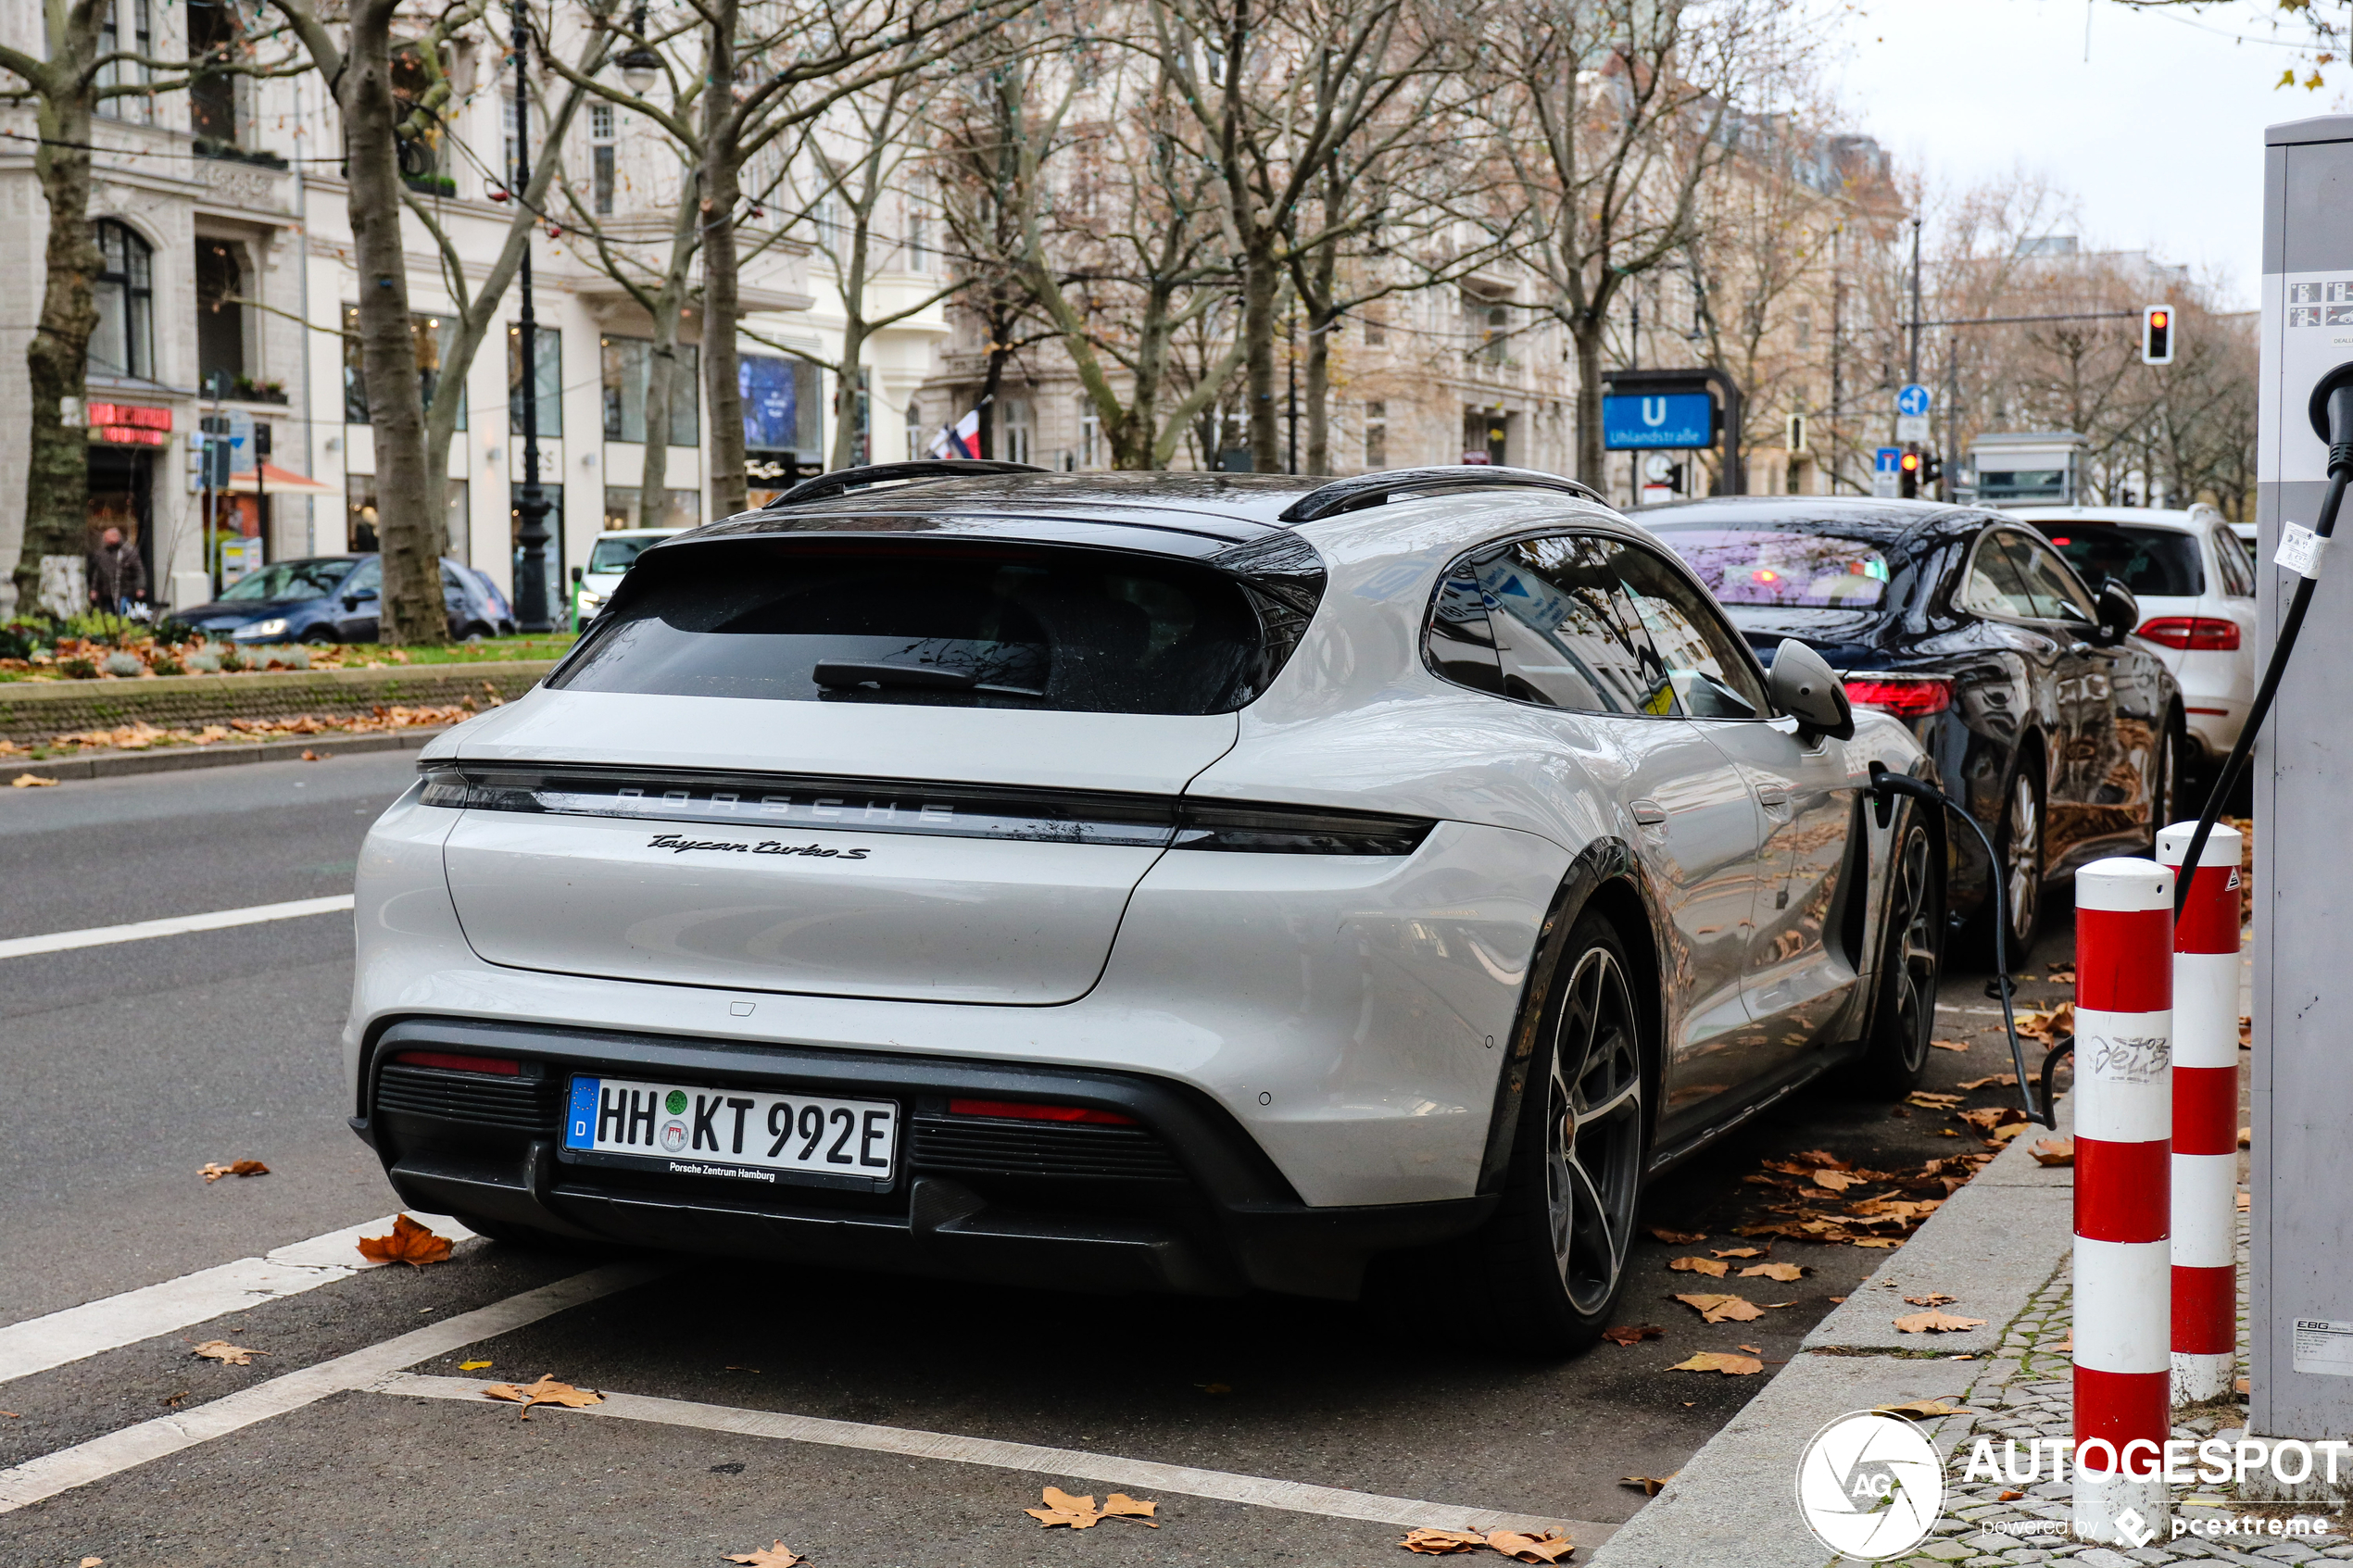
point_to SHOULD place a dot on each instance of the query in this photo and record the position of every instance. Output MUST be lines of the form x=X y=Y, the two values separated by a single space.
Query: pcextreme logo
x=1870 y=1485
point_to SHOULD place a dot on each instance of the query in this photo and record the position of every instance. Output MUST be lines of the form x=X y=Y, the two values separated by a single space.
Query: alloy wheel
x=2023 y=873
x=1593 y=1132
x=1918 y=947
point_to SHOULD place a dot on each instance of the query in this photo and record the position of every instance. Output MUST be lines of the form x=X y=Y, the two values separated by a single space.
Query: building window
x=914 y=429
x=213 y=27
x=1376 y=332
x=548 y=378
x=220 y=317
x=1804 y=326
x=1020 y=432
x=1090 y=435
x=123 y=344
x=626 y=360
x=681 y=509
x=1376 y=435
x=601 y=152
x=432 y=333
x=125 y=26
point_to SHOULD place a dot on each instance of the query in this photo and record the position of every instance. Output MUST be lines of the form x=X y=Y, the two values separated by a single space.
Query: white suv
x=2196 y=583
x=1139 y=881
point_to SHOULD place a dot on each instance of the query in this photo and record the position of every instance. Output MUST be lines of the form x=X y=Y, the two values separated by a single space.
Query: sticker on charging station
x=2323 y=1347
x=2300 y=550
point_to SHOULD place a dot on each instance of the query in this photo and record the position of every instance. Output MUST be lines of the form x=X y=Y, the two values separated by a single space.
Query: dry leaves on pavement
x=1950 y=1045
x=1080 y=1513
x=1934 y=1322
x=1722 y=1309
x=227 y=1354
x=1649 y=1483
x=2054 y=1151
x=1550 y=1547
x=776 y=1555
x=1677 y=1238
x=2247 y=1203
x=1836 y=1181
x=1933 y=1298
x=1992 y=1117
x=1919 y=1410
x=2048 y=1027
x=213 y=1171
x=1927 y=1100
x=1721 y=1361
x=2246 y=1137
x=1630 y=1334
x=1998 y=1080
x=1708 y=1266
x=1738 y=1251
x=29 y=781
x=410 y=1243
x=1443 y=1543
x=1782 y=1272
x=547 y=1391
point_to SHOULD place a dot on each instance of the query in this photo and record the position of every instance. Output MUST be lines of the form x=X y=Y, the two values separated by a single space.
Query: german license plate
x=750 y=1134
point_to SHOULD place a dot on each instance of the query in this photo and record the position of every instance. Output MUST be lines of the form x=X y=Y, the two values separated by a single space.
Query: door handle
x=1650 y=813
x=1773 y=801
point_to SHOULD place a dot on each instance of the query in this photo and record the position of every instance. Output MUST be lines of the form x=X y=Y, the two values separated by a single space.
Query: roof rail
x=1373 y=489
x=840 y=480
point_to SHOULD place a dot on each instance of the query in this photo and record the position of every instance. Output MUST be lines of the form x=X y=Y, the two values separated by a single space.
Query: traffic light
x=1931 y=469
x=2157 y=334
x=1909 y=466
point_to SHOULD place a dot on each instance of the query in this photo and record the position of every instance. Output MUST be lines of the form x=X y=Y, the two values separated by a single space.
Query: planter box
x=32 y=712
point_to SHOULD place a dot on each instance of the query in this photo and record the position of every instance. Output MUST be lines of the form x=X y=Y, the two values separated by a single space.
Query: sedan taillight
x=1907 y=697
x=2197 y=634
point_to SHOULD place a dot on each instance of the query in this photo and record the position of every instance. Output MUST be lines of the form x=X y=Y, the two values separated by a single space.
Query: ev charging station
x=2300 y=1301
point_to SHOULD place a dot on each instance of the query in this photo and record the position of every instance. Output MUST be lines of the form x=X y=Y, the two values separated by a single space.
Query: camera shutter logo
x=1871 y=1486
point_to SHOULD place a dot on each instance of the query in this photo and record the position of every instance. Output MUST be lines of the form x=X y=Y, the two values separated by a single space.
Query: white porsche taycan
x=1191 y=883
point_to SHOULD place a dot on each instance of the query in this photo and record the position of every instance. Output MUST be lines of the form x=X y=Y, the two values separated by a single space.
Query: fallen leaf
x=2054 y=1151
x=1934 y=1322
x=1881 y=1241
x=2246 y=1137
x=1836 y=1180
x=1933 y=1298
x=29 y=781
x=1950 y=1045
x=227 y=1354
x=1738 y=1252
x=1985 y=1119
x=2008 y=1131
x=1436 y=1543
x=471 y=1366
x=1633 y=1332
x=1754 y=1350
x=1722 y=1309
x=772 y=1557
x=2246 y=1024
x=1080 y=1513
x=1919 y=1410
x=92 y=1563
x=13 y=1416
x=310 y=756
x=410 y=1243
x=2049 y=1026
x=1707 y=1266
x=1998 y=1080
x=1928 y=1101
x=1120 y=1505
x=1782 y=1272
x=1676 y=1238
x=2238 y=1388
x=213 y=1173
x=1839 y=1298
x=1823 y=1158
x=1550 y=1547
x=2010 y=1496
x=547 y=1391
x=2247 y=1203
x=1649 y=1484
x=1723 y=1361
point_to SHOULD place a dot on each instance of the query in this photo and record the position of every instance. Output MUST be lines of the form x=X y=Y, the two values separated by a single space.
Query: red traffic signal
x=1908 y=474
x=2157 y=334
x=1911 y=462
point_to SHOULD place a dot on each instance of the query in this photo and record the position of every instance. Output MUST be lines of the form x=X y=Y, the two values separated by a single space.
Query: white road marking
x=135 y=1446
x=140 y=931
x=38 y=1344
x=1145 y=1474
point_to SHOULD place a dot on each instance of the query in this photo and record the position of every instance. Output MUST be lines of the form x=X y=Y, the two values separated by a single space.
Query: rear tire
x=1550 y=1264
x=1895 y=1053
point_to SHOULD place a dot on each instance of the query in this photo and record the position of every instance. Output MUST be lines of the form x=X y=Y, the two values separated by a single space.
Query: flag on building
x=959 y=440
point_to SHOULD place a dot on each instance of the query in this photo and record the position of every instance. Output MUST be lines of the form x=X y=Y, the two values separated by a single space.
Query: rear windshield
x=611 y=554
x=1755 y=566
x=2147 y=561
x=934 y=625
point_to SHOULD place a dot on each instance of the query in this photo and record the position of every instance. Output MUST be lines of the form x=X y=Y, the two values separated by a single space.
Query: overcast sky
x=2159 y=136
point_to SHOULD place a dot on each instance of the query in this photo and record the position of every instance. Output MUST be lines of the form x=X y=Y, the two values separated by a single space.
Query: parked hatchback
x=334 y=599
x=1140 y=882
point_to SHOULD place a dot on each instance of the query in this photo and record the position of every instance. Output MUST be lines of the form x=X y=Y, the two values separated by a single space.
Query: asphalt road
x=128 y=1066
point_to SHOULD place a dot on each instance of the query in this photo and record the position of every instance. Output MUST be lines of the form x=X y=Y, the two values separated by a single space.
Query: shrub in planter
x=166 y=664
x=204 y=661
x=230 y=661
x=124 y=664
x=78 y=668
x=293 y=656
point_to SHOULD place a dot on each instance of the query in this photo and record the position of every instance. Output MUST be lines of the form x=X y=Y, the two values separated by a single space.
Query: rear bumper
x=1188 y=1205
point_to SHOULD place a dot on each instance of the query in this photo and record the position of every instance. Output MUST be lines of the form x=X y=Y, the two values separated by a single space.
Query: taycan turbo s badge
x=678 y=844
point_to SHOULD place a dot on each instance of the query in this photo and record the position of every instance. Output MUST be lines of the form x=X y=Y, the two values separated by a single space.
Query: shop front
x=125 y=442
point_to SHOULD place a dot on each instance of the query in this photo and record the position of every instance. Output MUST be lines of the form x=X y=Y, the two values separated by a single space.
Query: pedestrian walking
x=118 y=579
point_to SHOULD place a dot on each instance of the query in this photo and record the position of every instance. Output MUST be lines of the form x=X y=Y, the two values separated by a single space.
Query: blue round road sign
x=1914 y=399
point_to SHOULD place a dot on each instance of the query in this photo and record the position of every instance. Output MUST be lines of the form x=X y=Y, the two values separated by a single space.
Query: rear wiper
x=841 y=674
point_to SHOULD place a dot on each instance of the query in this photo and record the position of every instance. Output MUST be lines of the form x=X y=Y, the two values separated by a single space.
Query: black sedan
x=335 y=599
x=2048 y=720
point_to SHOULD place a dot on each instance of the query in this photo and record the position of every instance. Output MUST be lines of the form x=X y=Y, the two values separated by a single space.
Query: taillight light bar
x=1029 y=1110
x=1907 y=697
x=503 y=1066
x=2196 y=633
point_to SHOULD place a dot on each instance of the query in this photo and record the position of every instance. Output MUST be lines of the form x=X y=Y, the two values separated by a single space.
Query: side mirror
x=1803 y=686
x=2119 y=612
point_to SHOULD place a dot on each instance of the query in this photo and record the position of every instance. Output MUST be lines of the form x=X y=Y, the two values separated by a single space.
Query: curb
x=123 y=764
x=1993 y=1245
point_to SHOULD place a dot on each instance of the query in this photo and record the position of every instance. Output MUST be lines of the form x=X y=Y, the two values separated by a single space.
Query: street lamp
x=532 y=609
x=640 y=68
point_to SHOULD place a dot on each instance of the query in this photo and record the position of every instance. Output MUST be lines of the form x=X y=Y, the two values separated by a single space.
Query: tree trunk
x=410 y=498
x=662 y=378
x=993 y=381
x=1316 y=394
x=851 y=284
x=722 y=391
x=1585 y=332
x=56 y=508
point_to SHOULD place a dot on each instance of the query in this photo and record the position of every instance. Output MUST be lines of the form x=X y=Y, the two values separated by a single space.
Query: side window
x=1708 y=665
x=367 y=577
x=1563 y=637
x=2236 y=570
x=2058 y=596
x=1995 y=586
x=1460 y=644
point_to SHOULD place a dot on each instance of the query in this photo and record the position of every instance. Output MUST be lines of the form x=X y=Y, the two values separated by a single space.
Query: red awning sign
x=129 y=424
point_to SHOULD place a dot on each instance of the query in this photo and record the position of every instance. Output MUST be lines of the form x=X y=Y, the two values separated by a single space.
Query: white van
x=612 y=555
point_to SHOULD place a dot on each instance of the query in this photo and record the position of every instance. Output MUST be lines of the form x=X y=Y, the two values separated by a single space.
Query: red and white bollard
x=2123 y=1139
x=2206 y=1108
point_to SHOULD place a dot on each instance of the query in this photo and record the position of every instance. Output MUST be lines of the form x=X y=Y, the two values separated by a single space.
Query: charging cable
x=2301 y=549
x=1886 y=785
